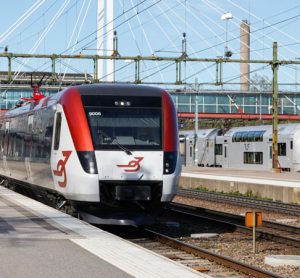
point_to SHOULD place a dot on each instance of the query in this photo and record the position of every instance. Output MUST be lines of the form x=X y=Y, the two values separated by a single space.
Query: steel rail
x=241 y=201
x=235 y=221
x=219 y=259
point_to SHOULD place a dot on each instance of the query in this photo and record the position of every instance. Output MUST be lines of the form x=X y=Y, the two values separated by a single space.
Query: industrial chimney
x=245 y=55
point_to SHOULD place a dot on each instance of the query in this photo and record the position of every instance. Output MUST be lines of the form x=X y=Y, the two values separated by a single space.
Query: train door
x=182 y=149
x=189 y=151
x=270 y=156
x=218 y=151
x=225 y=155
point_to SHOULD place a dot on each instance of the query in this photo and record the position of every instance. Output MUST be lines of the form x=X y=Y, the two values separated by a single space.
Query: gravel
x=239 y=246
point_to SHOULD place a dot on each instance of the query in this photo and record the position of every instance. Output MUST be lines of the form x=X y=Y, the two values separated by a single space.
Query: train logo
x=133 y=165
x=61 y=168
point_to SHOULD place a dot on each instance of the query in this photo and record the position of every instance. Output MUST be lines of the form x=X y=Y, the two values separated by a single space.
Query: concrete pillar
x=245 y=55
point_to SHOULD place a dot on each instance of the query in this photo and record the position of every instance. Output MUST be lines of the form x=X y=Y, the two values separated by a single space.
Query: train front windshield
x=131 y=127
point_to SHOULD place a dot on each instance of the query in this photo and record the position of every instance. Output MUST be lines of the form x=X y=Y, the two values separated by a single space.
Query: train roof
x=283 y=129
x=202 y=133
x=85 y=90
x=118 y=89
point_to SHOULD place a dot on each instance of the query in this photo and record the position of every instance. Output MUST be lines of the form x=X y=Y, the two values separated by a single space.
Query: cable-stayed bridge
x=187 y=47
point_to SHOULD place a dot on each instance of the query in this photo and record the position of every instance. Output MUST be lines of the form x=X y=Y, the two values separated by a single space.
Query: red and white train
x=109 y=148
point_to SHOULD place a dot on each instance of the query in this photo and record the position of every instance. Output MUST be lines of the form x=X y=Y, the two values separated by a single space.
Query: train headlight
x=88 y=161
x=122 y=103
x=170 y=160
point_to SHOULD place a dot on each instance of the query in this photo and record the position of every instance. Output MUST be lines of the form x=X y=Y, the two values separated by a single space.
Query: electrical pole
x=196 y=124
x=275 y=66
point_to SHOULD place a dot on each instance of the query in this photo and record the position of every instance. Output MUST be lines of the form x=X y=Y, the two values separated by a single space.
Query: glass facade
x=208 y=102
x=9 y=98
x=250 y=103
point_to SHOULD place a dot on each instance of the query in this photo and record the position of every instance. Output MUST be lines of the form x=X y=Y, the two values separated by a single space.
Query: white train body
x=102 y=145
x=248 y=147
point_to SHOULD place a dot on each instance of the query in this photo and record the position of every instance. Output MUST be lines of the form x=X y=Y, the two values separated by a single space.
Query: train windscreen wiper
x=127 y=151
x=123 y=148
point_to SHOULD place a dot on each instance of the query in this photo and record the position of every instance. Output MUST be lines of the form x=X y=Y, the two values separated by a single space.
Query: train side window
x=261 y=137
x=282 y=149
x=239 y=137
x=218 y=149
x=191 y=151
x=251 y=136
x=291 y=145
x=225 y=151
x=253 y=158
x=270 y=152
x=57 y=131
x=244 y=136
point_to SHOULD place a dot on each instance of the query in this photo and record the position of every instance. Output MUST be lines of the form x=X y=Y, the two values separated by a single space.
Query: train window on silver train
x=191 y=151
x=181 y=138
x=248 y=136
x=253 y=158
x=282 y=149
x=218 y=149
x=57 y=131
x=291 y=145
x=270 y=152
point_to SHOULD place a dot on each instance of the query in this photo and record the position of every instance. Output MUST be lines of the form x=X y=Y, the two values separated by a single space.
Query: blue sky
x=156 y=27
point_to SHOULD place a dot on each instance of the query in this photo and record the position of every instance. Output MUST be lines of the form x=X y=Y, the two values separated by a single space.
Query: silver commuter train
x=103 y=147
x=248 y=147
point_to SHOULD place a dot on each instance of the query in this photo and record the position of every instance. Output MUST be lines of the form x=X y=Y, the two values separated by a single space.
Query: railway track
x=199 y=259
x=241 y=201
x=270 y=230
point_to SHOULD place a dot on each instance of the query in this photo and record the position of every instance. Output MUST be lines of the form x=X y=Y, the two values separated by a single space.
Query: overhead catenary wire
x=202 y=70
x=134 y=7
x=188 y=12
x=172 y=24
x=207 y=27
x=252 y=23
x=273 y=26
x=141 y=11
x=135 y=40
x=220 y=12
x=147 y=40
x=158 y=71
x=178 y=50
x=148 y=70
x=254 y=31
x=97 y=29
x=216 y=8
x=252 y=71
x=78 y=29
x=88 y=44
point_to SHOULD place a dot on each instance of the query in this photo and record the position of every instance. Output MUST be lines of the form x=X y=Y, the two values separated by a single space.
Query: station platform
x=39 y=241
x=284 y=187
